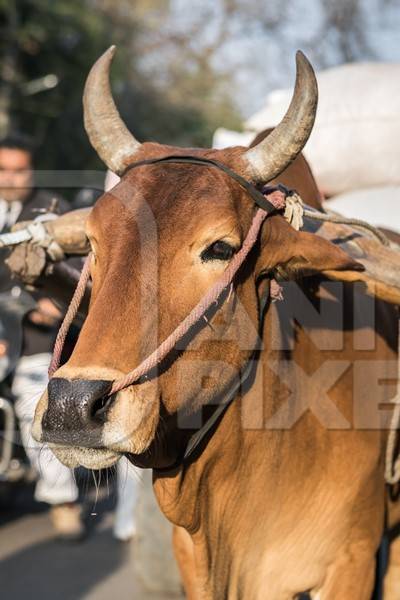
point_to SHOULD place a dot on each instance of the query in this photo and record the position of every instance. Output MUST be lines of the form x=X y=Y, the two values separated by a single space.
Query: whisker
x=97 y=486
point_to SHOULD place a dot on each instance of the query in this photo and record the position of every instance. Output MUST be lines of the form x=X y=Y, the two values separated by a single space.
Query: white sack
x=223 y=138
x=378 y=206
x=356 y=140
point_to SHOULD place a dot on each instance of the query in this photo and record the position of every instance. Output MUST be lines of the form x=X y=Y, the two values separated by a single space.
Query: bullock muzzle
x=76 y=413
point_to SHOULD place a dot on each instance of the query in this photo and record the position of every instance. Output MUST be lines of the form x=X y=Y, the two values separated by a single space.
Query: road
x=35 y=565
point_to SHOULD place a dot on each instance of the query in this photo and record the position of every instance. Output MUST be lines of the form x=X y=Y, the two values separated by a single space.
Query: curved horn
x=104 y=126
x=271 y=156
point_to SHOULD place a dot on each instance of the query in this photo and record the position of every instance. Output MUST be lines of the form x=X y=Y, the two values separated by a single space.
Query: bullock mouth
x=90 y=458
x=156 y=456
x=104 y=458
x=125 y=424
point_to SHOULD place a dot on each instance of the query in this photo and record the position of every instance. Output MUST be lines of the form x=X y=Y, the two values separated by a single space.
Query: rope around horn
x=295 y=211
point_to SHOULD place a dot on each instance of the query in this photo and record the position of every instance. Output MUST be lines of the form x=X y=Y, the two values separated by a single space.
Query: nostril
x=101 y=406
x=76 y=411
x=84 y=400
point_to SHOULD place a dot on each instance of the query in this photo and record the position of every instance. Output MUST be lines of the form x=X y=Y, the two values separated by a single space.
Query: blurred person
x=128 y=481
x=56 y=485
x=20 y=201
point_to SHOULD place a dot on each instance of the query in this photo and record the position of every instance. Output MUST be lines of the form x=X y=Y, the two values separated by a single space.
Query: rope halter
x=271 y=200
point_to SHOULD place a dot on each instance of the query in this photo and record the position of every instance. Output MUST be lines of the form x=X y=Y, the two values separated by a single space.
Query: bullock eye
x=218 y=251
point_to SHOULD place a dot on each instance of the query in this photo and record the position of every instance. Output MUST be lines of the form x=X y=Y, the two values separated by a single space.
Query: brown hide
x=285 y=494
x=290 y=481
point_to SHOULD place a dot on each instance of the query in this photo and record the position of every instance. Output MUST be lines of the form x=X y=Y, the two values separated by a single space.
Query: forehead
x=14 y=158
x=174 y=195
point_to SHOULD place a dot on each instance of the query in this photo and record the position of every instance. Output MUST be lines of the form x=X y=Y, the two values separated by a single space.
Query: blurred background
x=186 y=73
x=182 y=68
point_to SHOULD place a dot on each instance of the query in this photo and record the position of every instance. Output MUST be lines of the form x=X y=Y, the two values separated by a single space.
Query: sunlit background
x=190 y=73
x=182 y=68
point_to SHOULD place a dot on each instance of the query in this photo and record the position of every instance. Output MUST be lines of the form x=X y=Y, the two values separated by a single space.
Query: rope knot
x=288 y=201
x=294 y=211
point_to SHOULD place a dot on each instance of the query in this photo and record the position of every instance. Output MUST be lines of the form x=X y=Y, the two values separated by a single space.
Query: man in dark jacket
x=20 y=201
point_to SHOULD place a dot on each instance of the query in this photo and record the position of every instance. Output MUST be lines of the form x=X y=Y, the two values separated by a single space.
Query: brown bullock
x=285 y=494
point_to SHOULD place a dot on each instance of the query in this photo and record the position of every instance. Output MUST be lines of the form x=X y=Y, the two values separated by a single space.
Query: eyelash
x=219 y=250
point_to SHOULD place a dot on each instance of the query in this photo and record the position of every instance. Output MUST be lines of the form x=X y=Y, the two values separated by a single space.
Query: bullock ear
x=297 y=253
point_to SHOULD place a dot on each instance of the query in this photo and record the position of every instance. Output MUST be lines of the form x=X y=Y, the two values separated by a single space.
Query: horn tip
x=301 y=59
x=305 y=69
x=109 y=53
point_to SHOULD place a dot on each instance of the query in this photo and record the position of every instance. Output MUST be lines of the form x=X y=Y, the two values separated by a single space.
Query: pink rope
x=198 y=311
x=70 y=316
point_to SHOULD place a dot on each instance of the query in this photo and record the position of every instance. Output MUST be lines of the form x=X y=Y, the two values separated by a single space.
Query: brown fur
x=270 y=512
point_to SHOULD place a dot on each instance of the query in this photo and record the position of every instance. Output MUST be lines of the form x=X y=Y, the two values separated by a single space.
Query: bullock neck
x=195 y=443
x=178 y=489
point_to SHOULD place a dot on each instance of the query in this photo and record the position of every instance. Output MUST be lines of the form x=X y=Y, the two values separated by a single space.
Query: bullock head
x=160 y=239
